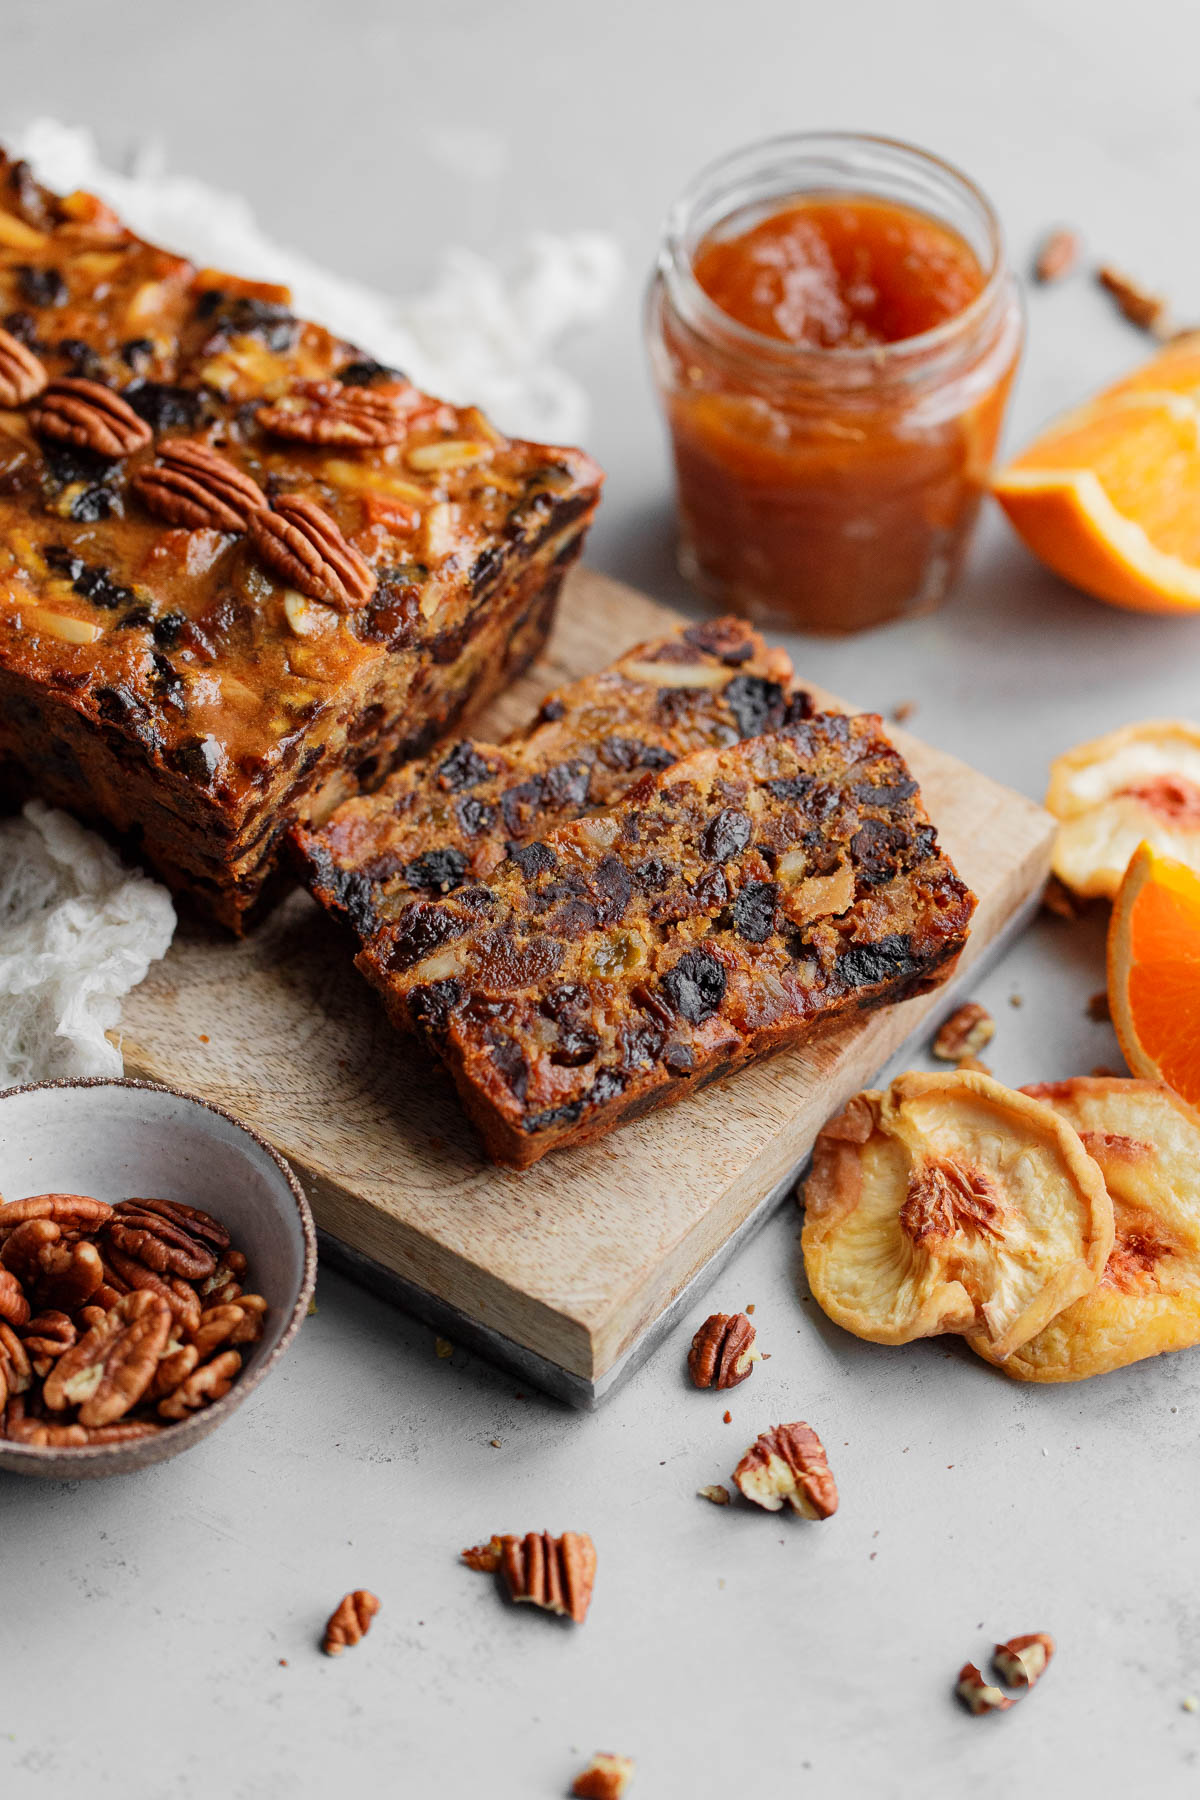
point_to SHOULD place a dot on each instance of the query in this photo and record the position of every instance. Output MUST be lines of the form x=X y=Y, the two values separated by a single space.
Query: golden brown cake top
x=212 y=512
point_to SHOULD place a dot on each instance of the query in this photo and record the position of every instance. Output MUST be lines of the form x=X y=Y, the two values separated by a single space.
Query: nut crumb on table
x=607 y=1777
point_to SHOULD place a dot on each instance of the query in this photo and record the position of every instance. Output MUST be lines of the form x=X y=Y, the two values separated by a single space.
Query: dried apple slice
x=1147 y=1143
x=1138 y=784
x=951 y=1203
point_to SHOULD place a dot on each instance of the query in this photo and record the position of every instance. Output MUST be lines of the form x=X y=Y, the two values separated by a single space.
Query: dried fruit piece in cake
x=726 y=907
x=243 y=569
x=1140 y=784
x=950 y=1203
x=1146 y=1141
x=444 y=822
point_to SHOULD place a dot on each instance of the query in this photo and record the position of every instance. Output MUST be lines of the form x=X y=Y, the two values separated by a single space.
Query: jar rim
x=675 y=257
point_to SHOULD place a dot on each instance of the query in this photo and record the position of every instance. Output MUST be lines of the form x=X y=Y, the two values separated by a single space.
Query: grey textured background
x=142 y=1622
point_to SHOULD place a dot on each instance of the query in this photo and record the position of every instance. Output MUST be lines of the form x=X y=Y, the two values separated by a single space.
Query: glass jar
x=819 y=489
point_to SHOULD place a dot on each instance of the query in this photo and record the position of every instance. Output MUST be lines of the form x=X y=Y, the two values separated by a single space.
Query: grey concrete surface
x=143 y=1622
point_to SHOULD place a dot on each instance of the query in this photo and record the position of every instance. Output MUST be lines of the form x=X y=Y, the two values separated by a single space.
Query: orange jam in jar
x=834 y=331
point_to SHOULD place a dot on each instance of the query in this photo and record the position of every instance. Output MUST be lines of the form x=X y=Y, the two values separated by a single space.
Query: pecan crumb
x=964 y=1033
x=1145 y=310
x=349 y=1622
x=1102 y=1072
x=443 y=1347
x=1097 y=1007
x=1058 y=253
x=728 y=1418
x=720 y=1496
x=904 y=711
x=606 y=1777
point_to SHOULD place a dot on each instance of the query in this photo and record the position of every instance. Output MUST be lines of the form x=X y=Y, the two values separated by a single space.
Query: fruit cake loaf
x=244 y=569
x=723 y=909
x=450 y=819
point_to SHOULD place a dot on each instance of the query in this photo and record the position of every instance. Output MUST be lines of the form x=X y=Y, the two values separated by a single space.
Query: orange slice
x=1109 y=495
x=1154 y=971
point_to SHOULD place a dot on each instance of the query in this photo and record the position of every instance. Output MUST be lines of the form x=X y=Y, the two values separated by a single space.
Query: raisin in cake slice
x=450 y=819
x=721 y=911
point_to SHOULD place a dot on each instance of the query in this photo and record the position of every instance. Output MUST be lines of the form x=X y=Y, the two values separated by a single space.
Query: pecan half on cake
x=244 y=569
x=720 y=912
x=449 y=820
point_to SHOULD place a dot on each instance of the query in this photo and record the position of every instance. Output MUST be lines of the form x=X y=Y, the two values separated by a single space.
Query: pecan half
x=978 y=1695
x=965 y=1033
x=75 y=1212
x=49 y=1334
x=195 y=486
x=1023 y=1660
x=327 y=412
x=110 y=1369
x=48 y=1436
x=606 y=1777
x=70 y=1275
x=722 y=1352
x=1149 y=312
x=300 y=542
x=14 y=1307
x=76 y=411
x=159 y=1242
x=349 y=1622
x=557 y=1574
x=211 y=1382
x=15 y=1370
x=788 y=1463
x=22 y=374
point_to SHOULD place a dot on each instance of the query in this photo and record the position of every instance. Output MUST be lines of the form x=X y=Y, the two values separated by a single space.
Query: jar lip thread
x=676 y=269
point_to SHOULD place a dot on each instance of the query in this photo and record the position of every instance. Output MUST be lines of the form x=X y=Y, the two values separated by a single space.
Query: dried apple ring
x=951 y=1203
x=1138 y=784
x=1147 y=1143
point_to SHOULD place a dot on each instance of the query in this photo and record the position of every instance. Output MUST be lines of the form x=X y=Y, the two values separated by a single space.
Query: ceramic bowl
x=118 y=1139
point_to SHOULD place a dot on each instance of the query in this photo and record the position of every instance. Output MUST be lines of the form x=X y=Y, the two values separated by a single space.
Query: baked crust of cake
x=449 y=820
x=179 y=682
x=723 y=909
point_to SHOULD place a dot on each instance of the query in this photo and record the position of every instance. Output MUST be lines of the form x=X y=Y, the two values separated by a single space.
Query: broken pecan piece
x=193 y=485
x=70 y=1274
x=1023 y=1660
x=1146 y=310
x=965 y=1033
x=722 y=1352
x=788 y=1463
x=300 y=542
x=22 y=374
x=204 y=1385
x=607 y=1777
x=327 y=412
x=978 y=1695
x=349 y=1622
x=77 y=411
x=557 y=1574
x=1058 y=253
x=110 y=1369
x=14 y=1307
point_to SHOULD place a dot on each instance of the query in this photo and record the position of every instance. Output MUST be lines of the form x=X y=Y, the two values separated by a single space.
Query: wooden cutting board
x=569 y=1271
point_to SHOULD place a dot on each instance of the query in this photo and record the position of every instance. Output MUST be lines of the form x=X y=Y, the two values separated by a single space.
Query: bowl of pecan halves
x=156 y=1260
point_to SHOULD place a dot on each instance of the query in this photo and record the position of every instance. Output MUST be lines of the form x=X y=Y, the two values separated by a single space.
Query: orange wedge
x=1109 y=495
x=1154 y=971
